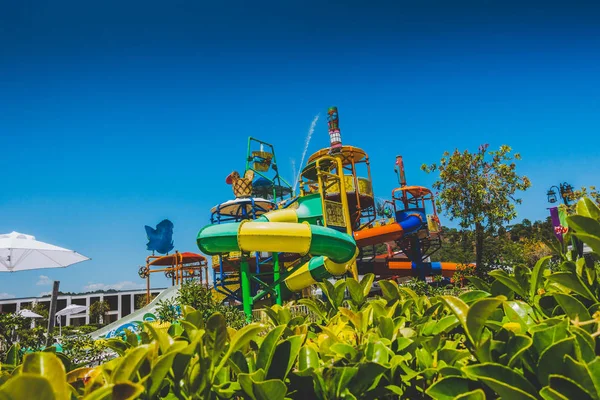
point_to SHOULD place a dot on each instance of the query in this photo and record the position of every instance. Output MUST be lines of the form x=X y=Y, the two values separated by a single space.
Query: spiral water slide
x=409 y=222
x=287 y=231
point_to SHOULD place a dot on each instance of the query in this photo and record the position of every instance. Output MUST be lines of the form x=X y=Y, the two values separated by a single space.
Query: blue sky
x=114 y=115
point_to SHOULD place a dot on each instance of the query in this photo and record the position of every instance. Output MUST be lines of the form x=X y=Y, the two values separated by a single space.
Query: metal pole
x=574 y=241
x=52 y=314
x=276 y=276
x=246 y=293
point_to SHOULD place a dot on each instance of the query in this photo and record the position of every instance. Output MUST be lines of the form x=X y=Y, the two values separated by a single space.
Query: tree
x=98 y=311
x=479 y=189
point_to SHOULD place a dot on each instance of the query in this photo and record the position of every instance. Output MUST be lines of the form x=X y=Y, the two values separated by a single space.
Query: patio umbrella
x=29 y=314
x=20 y=252
x=68 y=310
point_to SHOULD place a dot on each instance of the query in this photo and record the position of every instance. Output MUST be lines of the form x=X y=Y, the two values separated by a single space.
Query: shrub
x=529 y=334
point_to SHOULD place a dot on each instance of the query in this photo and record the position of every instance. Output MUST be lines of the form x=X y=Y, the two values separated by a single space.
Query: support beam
x=246 y=287
x=52 y=314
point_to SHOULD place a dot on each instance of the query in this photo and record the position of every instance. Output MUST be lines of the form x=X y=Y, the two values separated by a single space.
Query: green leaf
x=537 y=275
x=194 y=317
x=337 y=379
x=50 y=367
x=572 y=282
x=386 y=327
x=162 y=367
x=119 y=391
x=284 y=358
x=445 y=324
x=131 y=337
x=12 y=357
x=551 y=360
x=246 y=381
x=478 y=394
x=508 y=281
x=78 y=374
x=480 y=284
x=500 y=289
x=585 y=343
x=548 y=333
x=448 y=388
x=215 y=336
x=273 y=389
x=344 y=350
x=516 y=346
x=581 y=373
x=572 y=307
x=119 y=346
x=308 y=358
x=550 y=394
x=377 y=352
x=587 y=208
x=339 y=292
x=568 y=388
x=594 y=368
x=356 y=291
x=267 y=348
x=458 y=307
x=369 y=374
x=23 y=386
x=478 y=314
x=519 y=312
x=239 y=340
x=129 y=364
x=366 y=283
x=164 y=340
x=587 y=230
x=472 y=295
x=389 y=289
x=506 y=382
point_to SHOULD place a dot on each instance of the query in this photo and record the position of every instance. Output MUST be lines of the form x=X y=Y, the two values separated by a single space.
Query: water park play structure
x=273 y=243
x=269 y=243
x=180 y=267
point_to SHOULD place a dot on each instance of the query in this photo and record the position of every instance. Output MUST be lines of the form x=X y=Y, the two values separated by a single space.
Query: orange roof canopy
x=178 y=258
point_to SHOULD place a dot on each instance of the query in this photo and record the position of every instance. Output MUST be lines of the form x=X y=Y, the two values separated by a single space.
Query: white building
x=121 y=303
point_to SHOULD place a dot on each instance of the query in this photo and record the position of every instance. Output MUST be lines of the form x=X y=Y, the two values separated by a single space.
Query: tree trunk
x=479 y=236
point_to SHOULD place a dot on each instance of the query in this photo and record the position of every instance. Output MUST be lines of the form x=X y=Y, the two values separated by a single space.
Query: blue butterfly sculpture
x=161 y=238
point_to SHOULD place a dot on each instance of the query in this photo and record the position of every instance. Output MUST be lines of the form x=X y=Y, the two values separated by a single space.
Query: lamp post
x=565 y=190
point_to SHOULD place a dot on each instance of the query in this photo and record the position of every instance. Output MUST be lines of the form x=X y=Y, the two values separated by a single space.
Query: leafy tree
x=575 y=195
x=98 y=311
x=479 y=189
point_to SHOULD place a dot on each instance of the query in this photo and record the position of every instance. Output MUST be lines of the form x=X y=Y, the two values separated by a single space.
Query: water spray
x=311 y=130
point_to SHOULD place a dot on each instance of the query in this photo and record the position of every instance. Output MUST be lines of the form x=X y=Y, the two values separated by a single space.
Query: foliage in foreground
x=530 y=334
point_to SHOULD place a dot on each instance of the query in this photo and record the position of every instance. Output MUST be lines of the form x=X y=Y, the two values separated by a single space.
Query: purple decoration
x=558 y=229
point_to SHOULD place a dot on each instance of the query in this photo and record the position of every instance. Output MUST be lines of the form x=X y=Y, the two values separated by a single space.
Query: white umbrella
x=20 y=252
x=71 y=309
x=68 y=310
x=28 y=314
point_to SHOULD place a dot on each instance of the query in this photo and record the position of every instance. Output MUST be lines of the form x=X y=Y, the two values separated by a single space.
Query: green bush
x=529 y=334
x=194 y=294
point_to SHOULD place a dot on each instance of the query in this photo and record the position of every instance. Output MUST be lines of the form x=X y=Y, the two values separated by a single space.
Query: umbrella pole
x=52 y=315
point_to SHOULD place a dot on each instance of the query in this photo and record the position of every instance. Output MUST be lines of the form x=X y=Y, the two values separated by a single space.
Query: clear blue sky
x=114 y=115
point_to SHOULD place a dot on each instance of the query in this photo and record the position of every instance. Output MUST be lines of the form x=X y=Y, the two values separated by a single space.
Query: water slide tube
x=408 y=268
x=137 y=318
x=283 y=231
x=409 y=223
